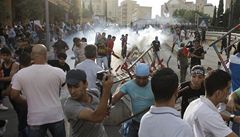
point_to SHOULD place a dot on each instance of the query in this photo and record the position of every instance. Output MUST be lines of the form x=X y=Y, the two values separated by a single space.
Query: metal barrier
x=213 y=44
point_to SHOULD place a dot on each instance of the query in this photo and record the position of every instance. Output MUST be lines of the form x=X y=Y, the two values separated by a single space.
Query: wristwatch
x=232 y=117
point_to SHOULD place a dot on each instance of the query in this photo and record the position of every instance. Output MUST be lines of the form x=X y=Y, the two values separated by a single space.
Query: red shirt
x=110 y=44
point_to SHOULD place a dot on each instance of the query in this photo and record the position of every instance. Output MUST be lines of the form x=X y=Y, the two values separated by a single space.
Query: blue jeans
x=57 y=129
x=133 y=129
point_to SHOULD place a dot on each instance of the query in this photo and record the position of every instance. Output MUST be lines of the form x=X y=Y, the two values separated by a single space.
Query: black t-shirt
x=156 y=45
x=189 y=95
x=55 y=63
x=198 y=52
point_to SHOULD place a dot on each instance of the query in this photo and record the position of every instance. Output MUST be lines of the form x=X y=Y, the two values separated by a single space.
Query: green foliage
x=236 y=13
x=226 y=18
x=29 y=9
x=214 y=16
x=188 y=15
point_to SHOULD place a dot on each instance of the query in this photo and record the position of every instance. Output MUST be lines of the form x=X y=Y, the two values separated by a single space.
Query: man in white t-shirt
x=41 y=83
x=202 y=114
x=162 y=120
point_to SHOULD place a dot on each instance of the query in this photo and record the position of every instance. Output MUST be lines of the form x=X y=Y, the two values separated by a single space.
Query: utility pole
x=47 y=24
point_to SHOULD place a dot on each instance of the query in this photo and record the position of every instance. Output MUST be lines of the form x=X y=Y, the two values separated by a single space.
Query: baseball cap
x=74 y=76
x=198 y=69
x=142 y=69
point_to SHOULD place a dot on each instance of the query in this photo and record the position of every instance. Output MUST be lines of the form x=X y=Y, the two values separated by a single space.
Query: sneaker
x=3 y=126
x=2 y=107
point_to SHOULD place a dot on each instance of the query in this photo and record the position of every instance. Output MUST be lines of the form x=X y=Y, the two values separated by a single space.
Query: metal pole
x=47 y=24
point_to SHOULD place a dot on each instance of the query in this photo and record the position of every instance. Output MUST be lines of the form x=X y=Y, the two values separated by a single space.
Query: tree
x=29 y=9
x=75 y=11
x=188 y=15
x=226 y=18
x=220 y=14
x=4 y=14
x=214 y=16
x=236 y=13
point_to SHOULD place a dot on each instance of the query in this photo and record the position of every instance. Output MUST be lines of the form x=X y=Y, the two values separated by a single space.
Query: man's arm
x=116 y=97
x=231 y=105
x=16 y=96
x=99 y=114
x=232 y=135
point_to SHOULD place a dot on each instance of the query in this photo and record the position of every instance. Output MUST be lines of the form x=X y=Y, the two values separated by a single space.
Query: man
x=89 y=66
x=140 y=92
x=83 y=109
x=182 y=58
x=156 y=49
x=234 y=66
x=110 y=45
x=8 y=68
x=60 y=62
x=102 y=50
x=162 y=120
x=124 y=46
x=196 y=53
x=60 y=46
x=202 y=114
x=195 y=87
x=41 y=83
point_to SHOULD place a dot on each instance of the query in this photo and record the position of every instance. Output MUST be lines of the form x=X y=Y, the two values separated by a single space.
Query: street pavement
x=209 y=61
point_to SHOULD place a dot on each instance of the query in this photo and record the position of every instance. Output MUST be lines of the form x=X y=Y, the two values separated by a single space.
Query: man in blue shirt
x=140 y=92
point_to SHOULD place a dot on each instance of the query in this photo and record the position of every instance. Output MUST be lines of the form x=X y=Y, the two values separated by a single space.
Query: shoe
x=2 y=107
x=3 y=126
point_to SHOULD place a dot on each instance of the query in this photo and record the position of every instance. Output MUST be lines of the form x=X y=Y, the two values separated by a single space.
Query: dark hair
x=90 y=51
x=5 y=50
x=75 y=39
x=216 y=80
x=164 y=83
x=25 y=59
x=84 y=39
x=62 y=55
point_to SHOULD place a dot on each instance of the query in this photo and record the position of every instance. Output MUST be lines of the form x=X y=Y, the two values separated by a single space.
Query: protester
x=156 y=49
x=182 y=58
x=83 y=109
x=110 y=45
x=234 y=67
x=89 y=66
x=202 y=114
x=140 y=92
x=41 y=84
x=60 y=62
x=195 y=87
x=162 y=120
x=196 y=53
x=8 y=68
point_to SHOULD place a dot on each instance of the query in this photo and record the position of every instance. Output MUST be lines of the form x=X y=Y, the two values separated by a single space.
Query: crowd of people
x=35 y=85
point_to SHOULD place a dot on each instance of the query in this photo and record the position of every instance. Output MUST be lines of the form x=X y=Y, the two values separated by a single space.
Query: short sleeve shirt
x=141 y=97
x=81 y=127
x=205 y=120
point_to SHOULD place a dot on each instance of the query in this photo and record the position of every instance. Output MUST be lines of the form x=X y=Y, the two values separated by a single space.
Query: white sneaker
x=2 y=107
x=3 y=127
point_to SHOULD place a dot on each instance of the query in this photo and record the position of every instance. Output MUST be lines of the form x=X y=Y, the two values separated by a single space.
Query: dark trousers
x=21 y=111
